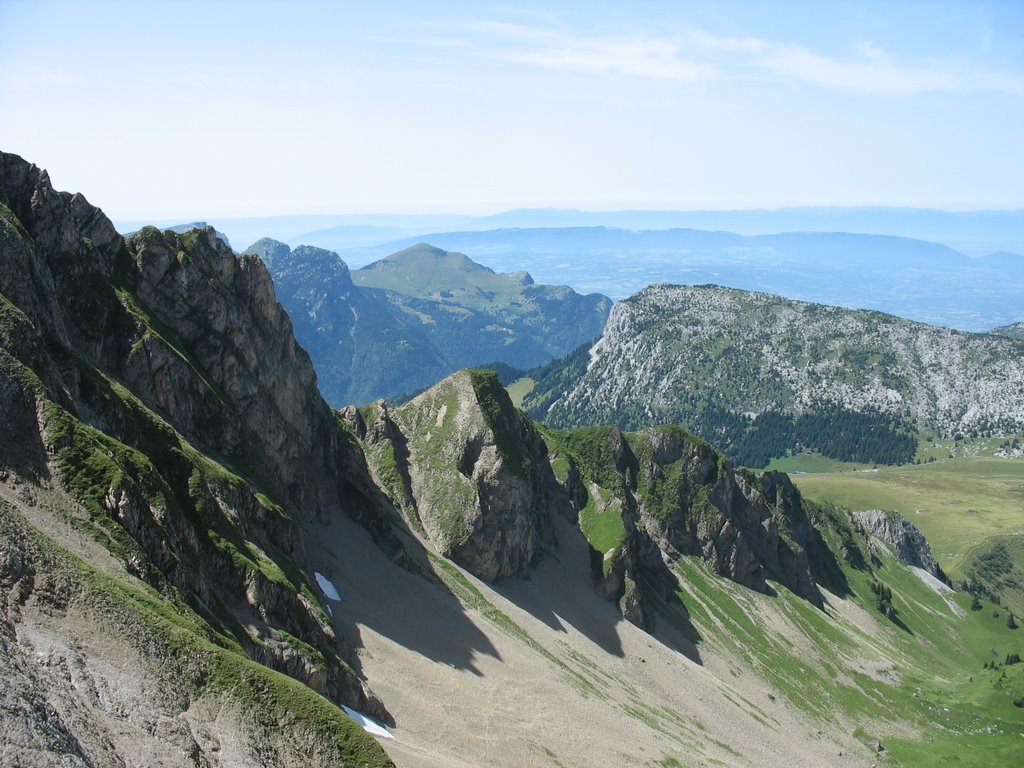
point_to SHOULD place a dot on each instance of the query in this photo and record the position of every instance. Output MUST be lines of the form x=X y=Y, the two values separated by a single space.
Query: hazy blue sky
x=225 y=109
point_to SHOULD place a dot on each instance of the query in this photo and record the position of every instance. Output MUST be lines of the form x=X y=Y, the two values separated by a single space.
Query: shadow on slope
x=559 y=594
x=408 y=608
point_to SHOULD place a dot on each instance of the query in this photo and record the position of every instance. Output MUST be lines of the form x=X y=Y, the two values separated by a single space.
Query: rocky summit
x=164 y=448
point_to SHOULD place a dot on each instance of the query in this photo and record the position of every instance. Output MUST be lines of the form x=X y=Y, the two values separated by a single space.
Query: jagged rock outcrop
x=471 y=471
x=670 y=494
x=902 y=536
x=156 y=390
x=734 y=521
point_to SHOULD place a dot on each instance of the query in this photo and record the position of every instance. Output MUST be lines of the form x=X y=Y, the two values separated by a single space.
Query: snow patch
x=368 y=724
x=327 y=587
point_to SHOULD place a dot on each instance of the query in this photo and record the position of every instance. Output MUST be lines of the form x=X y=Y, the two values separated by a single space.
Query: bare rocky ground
x=573 y=684
x=74 y=688
x=465 y=692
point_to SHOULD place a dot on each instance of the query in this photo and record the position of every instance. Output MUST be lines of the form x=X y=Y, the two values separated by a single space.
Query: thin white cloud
x=699 y=55
x=556 y=49
x=650 y=58
x=701 y=38
x=874 y=71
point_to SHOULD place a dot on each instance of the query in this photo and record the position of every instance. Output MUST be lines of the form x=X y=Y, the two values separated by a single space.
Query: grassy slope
x=922 y=691
x=812 y=462
x=519 y=389
x=429 y=273
x=957 y=503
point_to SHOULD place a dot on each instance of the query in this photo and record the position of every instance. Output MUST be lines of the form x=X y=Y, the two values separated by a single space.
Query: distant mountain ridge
x=399 y=325
x=426 y=272
x=759 y=374
x=973 y=232
x=1012 y=331
x=787 y=251
x=921 y=280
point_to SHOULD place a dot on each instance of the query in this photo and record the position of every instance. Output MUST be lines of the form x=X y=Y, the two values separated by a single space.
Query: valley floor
x=544 y=672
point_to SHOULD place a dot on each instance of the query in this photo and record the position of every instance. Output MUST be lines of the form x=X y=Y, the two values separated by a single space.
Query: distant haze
x=960 y=270
x=975 y=233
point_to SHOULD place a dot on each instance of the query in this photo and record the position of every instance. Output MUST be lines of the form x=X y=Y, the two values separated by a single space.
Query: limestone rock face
x=676 y=496
x=481 y=487
x=905 y=538
x=728 y=362
x=222 y=310
x=731 y=519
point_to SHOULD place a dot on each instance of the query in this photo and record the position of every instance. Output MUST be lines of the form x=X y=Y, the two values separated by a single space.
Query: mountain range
x=920 y=280
x=400 y=324
x=761 y=375
x=904 y=261
x=203 y=564
x=976 y=233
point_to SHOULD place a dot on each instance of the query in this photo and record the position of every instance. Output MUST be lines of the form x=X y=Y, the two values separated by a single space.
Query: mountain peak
x=424 y=255
x=270 y=250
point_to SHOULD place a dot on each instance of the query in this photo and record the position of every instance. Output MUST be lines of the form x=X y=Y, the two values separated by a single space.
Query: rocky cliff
x=758 y=374
x=646 y=499
x=471 y=472
x=902 y=536
x=481 y=482
x=156 y=400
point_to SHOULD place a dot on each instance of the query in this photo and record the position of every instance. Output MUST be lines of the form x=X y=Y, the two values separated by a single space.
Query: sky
x=212 y=109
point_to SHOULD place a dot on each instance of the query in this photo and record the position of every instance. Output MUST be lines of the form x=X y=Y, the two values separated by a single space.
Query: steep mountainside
x=399 y=325
x=361 y=350
x=478 y=478
x=202 y=564
x=759 y=375
x=163 y=448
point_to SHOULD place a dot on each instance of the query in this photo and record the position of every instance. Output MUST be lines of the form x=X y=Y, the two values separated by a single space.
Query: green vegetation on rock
x=761 y=376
